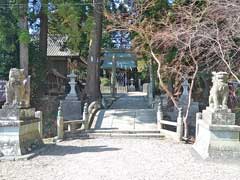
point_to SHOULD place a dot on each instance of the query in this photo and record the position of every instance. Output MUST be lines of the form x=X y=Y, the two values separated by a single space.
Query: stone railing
x=88 y=116
x=122 y=89
x=119 y=89
x=179 y=124
x=105 y=89
x=92 y=110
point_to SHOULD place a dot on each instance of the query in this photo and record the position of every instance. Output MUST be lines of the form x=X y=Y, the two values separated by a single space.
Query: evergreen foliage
x=8 y=39
x=74 y=20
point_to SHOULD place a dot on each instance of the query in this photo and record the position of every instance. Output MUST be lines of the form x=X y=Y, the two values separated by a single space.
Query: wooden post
x=180 y=124
x=60 y=125
x=113 y=77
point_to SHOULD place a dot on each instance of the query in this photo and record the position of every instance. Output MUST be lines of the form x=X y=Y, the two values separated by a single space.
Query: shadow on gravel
x=61 y=150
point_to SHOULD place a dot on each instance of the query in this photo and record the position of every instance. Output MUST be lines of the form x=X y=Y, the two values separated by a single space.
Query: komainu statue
x=18 y=89
x=219 y=91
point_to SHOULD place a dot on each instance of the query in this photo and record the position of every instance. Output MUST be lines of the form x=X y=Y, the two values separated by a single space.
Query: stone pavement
x=128 y=113
x=119 y=159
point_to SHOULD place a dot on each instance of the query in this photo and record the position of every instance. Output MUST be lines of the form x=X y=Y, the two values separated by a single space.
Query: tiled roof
x=56 y=46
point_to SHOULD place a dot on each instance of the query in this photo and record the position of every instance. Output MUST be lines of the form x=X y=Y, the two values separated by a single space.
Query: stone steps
x=128 y=117
x=125 y=133
x=92 y=133
x=128 y=135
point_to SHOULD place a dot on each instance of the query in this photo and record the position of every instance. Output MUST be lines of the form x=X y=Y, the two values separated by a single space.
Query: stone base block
x=19 y=138
x=222 y=116
x=72 y=110
x=131 y=88
x=13 y=113
x=217 y=141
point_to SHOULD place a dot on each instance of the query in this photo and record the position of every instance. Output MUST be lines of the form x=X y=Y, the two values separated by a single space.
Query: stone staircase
x=125 y=134
x=128 y=117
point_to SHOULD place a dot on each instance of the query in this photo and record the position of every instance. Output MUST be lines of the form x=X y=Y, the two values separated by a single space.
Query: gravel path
x=119 y=159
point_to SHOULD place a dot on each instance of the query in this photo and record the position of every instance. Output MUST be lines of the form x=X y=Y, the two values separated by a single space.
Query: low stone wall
x=105 y=89
x=119 y=89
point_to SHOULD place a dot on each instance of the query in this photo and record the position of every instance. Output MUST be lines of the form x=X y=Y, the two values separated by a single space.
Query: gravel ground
x=115 y=159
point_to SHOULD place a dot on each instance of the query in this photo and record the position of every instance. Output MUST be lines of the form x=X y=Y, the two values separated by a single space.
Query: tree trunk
x=43 y=40
x=150 y=88
x=43 y=33
x=23 y=22
x=93 y=76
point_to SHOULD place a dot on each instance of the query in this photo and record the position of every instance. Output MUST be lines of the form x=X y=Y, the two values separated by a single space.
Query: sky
x=35 y=28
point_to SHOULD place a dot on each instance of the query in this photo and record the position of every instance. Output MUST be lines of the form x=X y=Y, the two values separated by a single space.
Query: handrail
x=168 y=123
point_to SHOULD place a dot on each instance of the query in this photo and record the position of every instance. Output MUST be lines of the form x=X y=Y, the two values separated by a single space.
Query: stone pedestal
x=19 y=131
x=71 y=110
x=217 y=136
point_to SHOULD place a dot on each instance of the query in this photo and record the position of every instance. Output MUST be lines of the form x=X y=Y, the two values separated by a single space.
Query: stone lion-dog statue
x=18 y=89
x=219 y=92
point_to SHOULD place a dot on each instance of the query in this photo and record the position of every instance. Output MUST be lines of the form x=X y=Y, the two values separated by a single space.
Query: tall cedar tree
x=93 y=77
x=24 y=40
